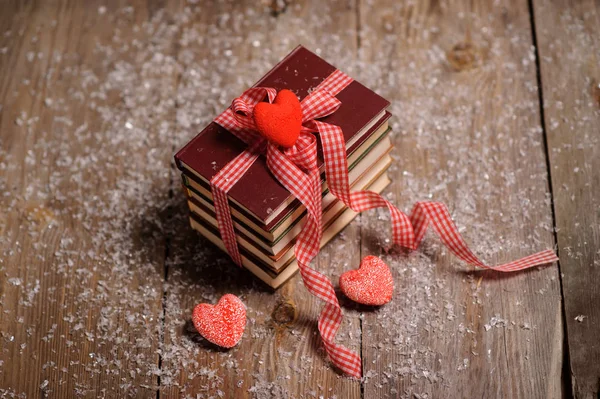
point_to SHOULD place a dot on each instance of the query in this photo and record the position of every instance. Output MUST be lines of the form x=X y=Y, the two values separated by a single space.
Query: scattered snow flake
x=15 y=281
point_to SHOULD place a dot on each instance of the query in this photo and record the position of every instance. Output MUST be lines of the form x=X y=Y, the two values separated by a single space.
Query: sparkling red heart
x=370 y=284
x=222 y=324
x=280 y=122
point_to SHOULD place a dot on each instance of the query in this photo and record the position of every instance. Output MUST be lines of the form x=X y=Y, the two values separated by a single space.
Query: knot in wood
x=463 y=56
x=284 y=313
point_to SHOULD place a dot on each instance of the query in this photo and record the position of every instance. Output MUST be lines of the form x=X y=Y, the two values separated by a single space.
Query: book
x=272 y=279
x=285 y=250
x=214 y=146
x=294 y=208
x=360 y=176
x=358 y=163
x=267 y=219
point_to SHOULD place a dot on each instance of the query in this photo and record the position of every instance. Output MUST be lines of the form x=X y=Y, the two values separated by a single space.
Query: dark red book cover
x=258 y=191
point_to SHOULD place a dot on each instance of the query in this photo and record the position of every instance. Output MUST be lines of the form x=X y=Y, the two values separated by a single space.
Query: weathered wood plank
x=569 y=54
x=454 y=73
x=82 y=250
x=462 y=80
x=281 y=354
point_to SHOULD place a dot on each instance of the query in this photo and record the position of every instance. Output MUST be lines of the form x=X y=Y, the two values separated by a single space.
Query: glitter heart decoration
x=370 y=284
x=222 y=324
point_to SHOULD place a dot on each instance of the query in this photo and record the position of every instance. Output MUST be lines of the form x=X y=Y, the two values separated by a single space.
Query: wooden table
x=496 y=112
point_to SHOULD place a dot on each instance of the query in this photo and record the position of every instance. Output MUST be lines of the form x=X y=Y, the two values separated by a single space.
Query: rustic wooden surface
x=97 y=282
x=569 y=54
x=42 y=286
x=478 y=362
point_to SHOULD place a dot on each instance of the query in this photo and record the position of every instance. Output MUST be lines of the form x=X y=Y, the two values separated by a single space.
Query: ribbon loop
x=238 y=117
x=244 y=105
x=251 y=97
x=318 y=104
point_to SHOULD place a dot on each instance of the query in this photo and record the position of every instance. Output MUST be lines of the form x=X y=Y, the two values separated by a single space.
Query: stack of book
x=267 y=218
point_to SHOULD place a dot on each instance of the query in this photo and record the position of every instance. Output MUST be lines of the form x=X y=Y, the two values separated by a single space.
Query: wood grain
x=99 y=271
x=461 y=78
x=281 y=354
x=62 y=334
x=569 y=54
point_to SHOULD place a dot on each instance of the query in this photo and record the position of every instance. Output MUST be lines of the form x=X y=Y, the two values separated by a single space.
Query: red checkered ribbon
x=297 y=170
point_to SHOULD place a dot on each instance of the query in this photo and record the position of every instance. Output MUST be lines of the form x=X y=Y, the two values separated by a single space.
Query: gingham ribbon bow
x=297 y=170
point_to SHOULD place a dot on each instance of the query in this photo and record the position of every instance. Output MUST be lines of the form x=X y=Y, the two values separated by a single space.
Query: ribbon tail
x=307 y=188
x=437 y=214
x=407 y=232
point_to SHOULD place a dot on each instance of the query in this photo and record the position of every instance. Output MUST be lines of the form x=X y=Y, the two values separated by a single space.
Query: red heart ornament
x=371 y=284
x=222 y=324
x=280 y=122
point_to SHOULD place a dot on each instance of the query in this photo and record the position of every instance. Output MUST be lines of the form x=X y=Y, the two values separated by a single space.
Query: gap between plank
x=360 y=231
x=169 y=218
x=567 y=383
x=165 y=278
